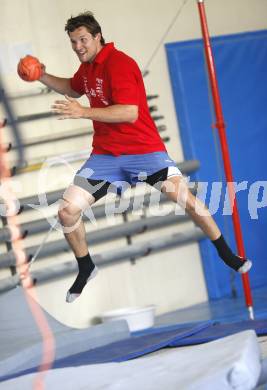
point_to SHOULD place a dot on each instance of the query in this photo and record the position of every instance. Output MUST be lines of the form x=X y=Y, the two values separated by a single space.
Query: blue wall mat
x=241 y=63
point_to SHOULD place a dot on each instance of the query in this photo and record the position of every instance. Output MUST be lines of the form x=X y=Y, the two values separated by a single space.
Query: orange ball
x=29 y=68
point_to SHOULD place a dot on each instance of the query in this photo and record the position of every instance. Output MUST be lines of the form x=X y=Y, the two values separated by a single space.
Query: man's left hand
x=68 y=109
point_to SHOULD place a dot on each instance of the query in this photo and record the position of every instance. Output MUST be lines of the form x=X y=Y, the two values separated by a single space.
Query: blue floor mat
x=152 y=340
x=219 y=330
x=125 y=349
x=224 y=310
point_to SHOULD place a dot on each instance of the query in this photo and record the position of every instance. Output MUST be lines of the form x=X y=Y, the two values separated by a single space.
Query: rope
x=34 y=257
x=155 y=51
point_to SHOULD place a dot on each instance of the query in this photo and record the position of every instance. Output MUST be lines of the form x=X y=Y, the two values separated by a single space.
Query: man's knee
x=78 y=197
x=68 y=212
x=177 y=190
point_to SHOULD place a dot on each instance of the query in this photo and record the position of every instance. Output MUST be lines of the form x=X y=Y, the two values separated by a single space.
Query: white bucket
x=138 y=318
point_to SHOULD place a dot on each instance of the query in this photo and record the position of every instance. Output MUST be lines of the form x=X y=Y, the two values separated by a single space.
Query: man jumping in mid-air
x=126 y=143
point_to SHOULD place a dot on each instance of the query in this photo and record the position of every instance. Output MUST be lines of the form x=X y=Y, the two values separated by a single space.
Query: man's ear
x=97 y=36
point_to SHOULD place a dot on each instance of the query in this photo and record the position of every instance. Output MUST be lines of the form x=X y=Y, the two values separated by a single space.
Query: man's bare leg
x=75 y=201
x=176 y=190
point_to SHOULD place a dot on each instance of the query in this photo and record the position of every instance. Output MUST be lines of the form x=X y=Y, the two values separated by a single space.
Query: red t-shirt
x=114 y=78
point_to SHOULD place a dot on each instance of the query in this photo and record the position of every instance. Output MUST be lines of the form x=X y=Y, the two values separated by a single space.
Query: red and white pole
x=220 y=125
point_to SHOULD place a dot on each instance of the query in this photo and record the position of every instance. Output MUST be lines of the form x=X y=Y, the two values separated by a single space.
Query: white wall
x=172 y=280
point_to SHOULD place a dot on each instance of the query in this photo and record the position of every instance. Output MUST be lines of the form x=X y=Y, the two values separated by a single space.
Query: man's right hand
x=43 y=67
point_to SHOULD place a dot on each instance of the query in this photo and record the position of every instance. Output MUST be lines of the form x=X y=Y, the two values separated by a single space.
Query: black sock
x=86 y=266
x=226 y=254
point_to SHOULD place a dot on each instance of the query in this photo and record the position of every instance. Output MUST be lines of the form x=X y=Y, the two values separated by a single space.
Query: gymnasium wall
x=172 y=280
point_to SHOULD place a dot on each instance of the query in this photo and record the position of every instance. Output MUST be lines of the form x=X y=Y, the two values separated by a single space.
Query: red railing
x=220 y=125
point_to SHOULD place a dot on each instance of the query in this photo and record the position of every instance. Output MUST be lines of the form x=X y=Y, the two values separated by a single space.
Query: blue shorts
x=120 y=172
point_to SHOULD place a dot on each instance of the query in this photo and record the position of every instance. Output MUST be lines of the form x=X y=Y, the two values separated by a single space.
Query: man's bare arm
x=58 y=84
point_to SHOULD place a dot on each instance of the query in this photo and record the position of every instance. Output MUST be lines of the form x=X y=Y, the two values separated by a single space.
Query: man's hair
x=87 y=20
